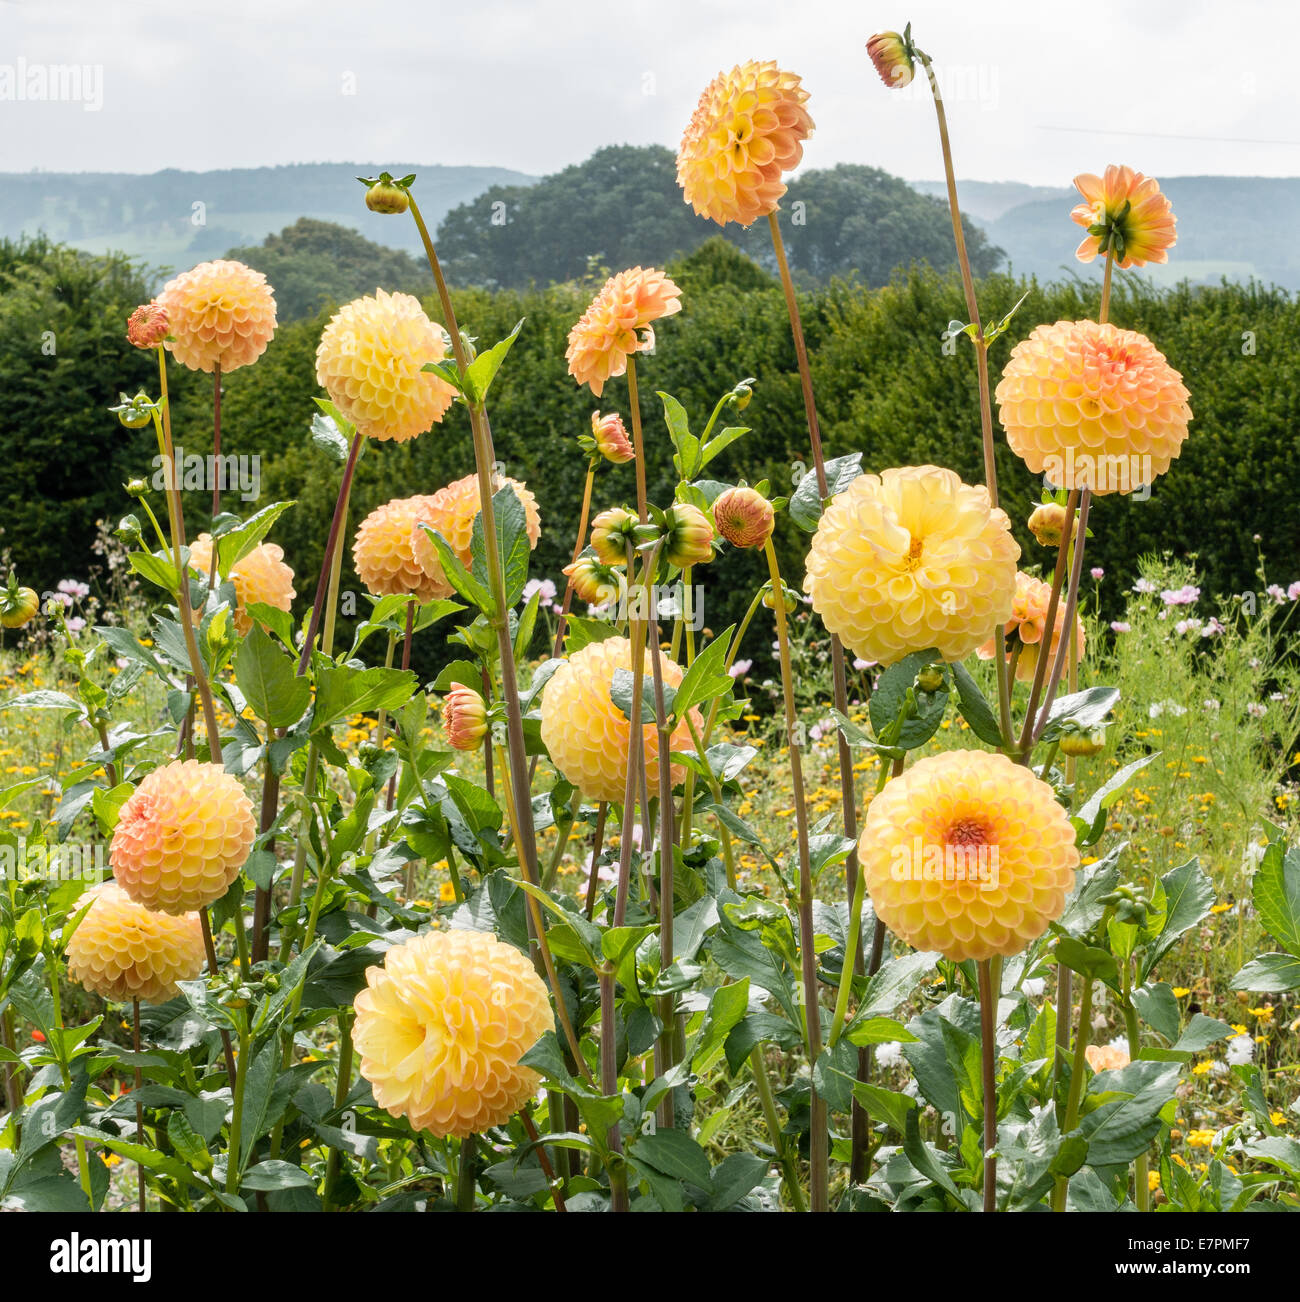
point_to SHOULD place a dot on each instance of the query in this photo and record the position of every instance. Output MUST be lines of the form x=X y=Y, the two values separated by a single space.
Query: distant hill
x=1233 y=226
x=155 y=217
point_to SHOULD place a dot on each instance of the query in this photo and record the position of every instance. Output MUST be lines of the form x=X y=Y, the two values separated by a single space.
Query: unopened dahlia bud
x=182 y=837
x=18 y=606
x=594 y=583
x=930 y=679
x=1083 y=742
x=791 y=598
x=744 y=517
x=464 y=716
x=134 y=413
x=146 y=327
x=610 y=438
x=610 y=532
x=892 y=55
x=384 y=195
x=689 y=537
x=1047 y=524
x=124 y=952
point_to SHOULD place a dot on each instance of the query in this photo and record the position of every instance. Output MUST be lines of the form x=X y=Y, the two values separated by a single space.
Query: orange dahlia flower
x=1124 y=213
x=392 y=553
x=618 y=323
x=968 y=854
x=1093 y=406
x=1105 y=1057
x=122 y=951
x=464 y=717
x=260 y=576
x=370 y=362
x=588 y=736
x=220 y=314
x=182 y=837
x=441 y=1027
x=455 y=509
x=747 y=131
x=610 y=438
x=910 y=560
x=1028 y=622
x=892 y=57
x=744 y=517
x=146 y=327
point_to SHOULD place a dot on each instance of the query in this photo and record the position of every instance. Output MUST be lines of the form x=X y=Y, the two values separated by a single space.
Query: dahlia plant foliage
x=305 y=1032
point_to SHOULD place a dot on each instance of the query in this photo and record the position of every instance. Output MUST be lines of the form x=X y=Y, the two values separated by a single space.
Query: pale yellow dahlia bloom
x=455 y=509
x=1125 y=213
x=219 y=314
x=392 y=553
x=260 y=576
x=123 y=952
x=912 y=560
x=441 y=1027
x=969 y=854
x=1093 y=406
x=370 y=362
x=617 y=323
x=182 y=837
x=1028 y=622
x=746 y=132
x=588 y=736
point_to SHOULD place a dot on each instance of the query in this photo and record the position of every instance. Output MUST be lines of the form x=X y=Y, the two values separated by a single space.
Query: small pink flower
x=1144 y=585
x=1293 y=592
x=1098 y=573
x=1184 y=596
x=1277 y=593
x=1213 y=629
x=740 y=668
x=1119 y=626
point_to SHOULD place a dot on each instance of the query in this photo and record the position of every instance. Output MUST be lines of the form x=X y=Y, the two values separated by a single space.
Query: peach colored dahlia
x=618 y=323
x=219 y=314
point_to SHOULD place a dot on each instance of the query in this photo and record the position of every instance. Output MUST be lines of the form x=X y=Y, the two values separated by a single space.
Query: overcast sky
x=1036 y=92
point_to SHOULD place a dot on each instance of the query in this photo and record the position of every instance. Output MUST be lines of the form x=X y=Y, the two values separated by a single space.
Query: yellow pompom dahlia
x=1093 y=406
x=370 y=361
x=588 y=736
x=747 y=131
x=123 y=951
x=456 y=507
x=441 y=1027
x=617 y=323
x=1028 y=622
x=392 y=553
x=910 y=560
x=182 y=837
x=1125 y=213
x=218 y=314
x=969 y=854
x=260 y=576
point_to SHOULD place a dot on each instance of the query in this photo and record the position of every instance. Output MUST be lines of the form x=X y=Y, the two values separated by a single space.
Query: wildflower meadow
x=954 y=876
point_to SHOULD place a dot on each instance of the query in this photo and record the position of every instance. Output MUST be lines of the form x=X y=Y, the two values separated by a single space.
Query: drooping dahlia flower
x=688 y=539
x=588 y=736
x=122 y=951
x=219 y=314
x=1124 y=212
x=369 y=362
x=441 y=1027
x=910 y=560
x=744 y=517
x=146 y=327
x=1047 y=524
x=392 y=553
x=182 y=837
x=969 y=854
x=456 y=507
x=611 y=531
x=610 y=437
x=618 y=323
x=747 y=131
x=464 y=717
x=1028 y=622
x=892 y=58
x=595 y=583
x=1093 y=406
x=260 y=576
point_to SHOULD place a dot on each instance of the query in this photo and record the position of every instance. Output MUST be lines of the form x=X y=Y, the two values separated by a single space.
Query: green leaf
x=480 y=373
x=235 y=545
x=974 y=707
x=269 y=681
x=1200 y=1033
x=45 y=700
x=1087 y=960
x=889 y=1105
x=274 y=1174
x=806 y=501
x=893 y=983
x=675 y=1154
x=455 y=573
x=891 y=693
x=1189 y=895
x=1276 y=894
x=706 y=678
x=877 y=1030
x=734 y=1177
x=1158 y=1008
x=621 y=689
x=687 y=457
x=583 y=630
x=719 y=442
x=1089 y=820
x=727 y=1008
x=155 y=567
x=1269 y=974
x=512 y=543
x=1082 y=709
x=326 y=435
x=342 y=691
x=465 y=672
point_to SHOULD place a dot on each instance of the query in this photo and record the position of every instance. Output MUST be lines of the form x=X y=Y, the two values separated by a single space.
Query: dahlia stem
x=1141 y=1164
x=139 y=1107
x=336 y=569
x=557 y=1192
x=406 y=664
x=839 y=676
x=583 y=514
x=216 y=470
x=780 y=1144
x=210 y=950
x=56 y=998
x=597 y=845
x=989 y=981
x=1104 y=313
x=237 y=1110
x=342 y=1088
x=635 y=740
x=489 y=778
x=1076 y=1084
x=817 y=1138
x=13 y=1092
x=618 y=1195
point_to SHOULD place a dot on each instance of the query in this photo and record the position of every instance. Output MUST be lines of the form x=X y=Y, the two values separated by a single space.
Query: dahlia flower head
x=1106 y=1057
x=910 y=560
x=1028 y=622
x=968 y=854
x=744 y=517
x=182 y=837
x=746 y=133
x=122 y=951
x=455 y=508
x=588 y=737
x=1144 y=232
x=220 y=314
x=464 y=717
x=393 y=555
x=891 y=55
x=610 y=439
x=617 y=323
x=259 y=576
x=440 y=1029
x=146 y=327
x=370 y=361
x=1093 y=406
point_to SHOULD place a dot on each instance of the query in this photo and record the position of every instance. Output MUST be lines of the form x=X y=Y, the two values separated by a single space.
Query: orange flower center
x=914 y=554
x=969 y=832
